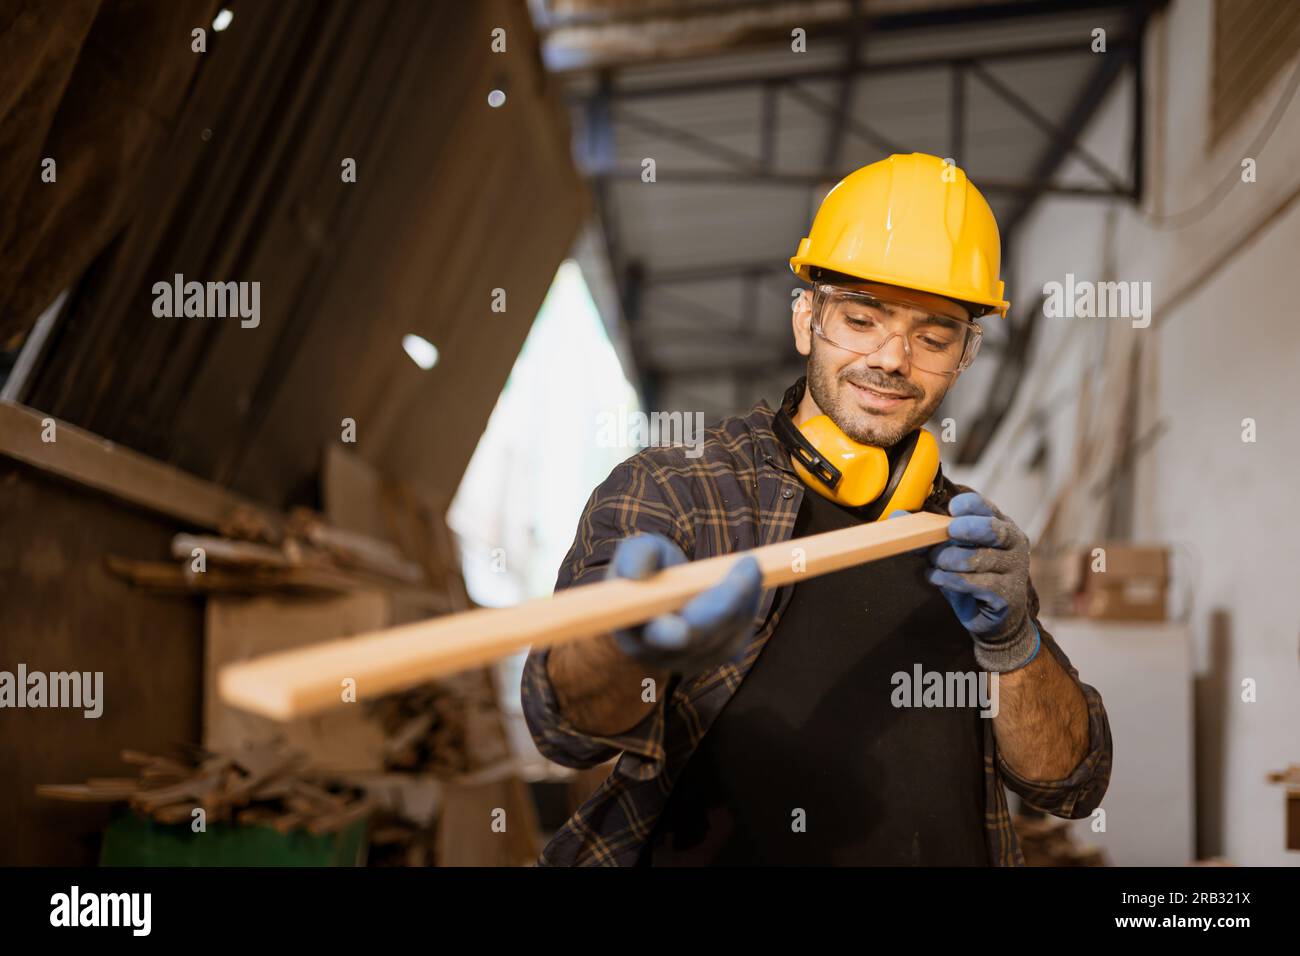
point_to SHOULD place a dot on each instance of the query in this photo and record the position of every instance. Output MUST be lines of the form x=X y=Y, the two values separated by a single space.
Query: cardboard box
x=1133 y=561
x=1130 y=601
x=1122 y=582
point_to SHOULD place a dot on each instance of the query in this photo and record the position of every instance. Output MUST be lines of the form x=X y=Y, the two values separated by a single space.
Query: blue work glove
x=704 y=633
x=983 y=571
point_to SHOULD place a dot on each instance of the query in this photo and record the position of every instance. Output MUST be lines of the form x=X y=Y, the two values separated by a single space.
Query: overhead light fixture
x=496 y=98
x=222 y=20
x=423 y=352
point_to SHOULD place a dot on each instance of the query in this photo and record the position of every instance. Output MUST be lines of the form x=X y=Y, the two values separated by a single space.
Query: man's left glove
x=983 y=571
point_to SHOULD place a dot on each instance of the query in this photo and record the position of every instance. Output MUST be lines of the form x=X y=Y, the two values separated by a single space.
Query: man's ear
x=801 y=320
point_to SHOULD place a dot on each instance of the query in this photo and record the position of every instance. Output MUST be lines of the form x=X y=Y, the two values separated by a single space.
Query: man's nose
x=891 y=356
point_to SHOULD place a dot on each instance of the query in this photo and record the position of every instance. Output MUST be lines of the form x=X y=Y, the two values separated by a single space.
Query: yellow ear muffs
x=864 y=469
x=857 y=475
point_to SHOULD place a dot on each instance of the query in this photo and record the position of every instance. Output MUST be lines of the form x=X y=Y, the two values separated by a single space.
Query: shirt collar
x=768 y=447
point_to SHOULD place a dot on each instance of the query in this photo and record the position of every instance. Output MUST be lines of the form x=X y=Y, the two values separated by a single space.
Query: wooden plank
x=83 y=793
x=166 y=578
x=330 y=550
x=225 y=551
x=289 y=685
x=115 y=470
x=364 y=553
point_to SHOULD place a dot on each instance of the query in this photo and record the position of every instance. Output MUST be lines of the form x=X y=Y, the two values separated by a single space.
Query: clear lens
x=864 y=323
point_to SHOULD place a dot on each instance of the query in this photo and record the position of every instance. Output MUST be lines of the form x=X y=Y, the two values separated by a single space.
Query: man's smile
x=878 y=400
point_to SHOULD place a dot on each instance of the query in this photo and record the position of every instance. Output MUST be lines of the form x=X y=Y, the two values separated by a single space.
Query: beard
x=830 y=390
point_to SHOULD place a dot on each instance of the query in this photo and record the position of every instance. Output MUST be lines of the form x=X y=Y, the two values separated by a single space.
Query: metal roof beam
x=1065 y=136
x=767 y=129
x=598 y=153
x=606 y=17
x=779 y=31
x=804 y=180
x=844 y=95
x=710 y=273
x=692 y=141
x=842 y=123
x=1085 y=105
x=862 y=68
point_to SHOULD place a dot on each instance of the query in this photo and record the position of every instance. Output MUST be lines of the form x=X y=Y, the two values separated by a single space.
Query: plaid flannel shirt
x=739 y=494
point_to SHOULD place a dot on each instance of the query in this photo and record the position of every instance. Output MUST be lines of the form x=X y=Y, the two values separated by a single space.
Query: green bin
x=134 y=840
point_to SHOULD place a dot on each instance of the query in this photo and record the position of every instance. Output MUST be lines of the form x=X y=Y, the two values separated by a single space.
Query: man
x=768 y=727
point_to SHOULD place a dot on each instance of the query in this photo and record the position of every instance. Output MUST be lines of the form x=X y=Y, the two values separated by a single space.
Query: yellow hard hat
x=913 y=221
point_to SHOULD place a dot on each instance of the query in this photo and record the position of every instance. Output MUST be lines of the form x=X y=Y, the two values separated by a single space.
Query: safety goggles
x=863 y=322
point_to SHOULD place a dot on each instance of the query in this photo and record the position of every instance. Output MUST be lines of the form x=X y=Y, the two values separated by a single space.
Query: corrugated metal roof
x=715 y=206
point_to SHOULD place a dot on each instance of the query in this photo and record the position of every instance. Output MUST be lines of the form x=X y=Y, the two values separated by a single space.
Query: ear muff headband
x=856 y=475
x=803 y=452
x=913 y=480
x=900 y=458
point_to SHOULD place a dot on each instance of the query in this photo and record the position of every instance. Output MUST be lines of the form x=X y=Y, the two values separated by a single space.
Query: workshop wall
x=1136 y=433
x=62 y=610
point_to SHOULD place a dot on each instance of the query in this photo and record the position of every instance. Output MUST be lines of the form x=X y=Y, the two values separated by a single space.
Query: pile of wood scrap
x=403 y=828
x=304 y=553
x=1046 y=841
x=446 y=728
x=396 y=841
x=380 y=555
x=258 y=786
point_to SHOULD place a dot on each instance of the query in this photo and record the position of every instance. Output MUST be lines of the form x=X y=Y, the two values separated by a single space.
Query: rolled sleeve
x=558 y=740
x=629 y=502
x=1080 y=793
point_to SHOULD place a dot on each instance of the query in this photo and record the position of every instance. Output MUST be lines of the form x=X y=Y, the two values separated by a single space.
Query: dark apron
x=813 y=728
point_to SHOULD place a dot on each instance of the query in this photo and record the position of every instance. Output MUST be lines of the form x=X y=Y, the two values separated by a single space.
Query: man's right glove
x=708 y=630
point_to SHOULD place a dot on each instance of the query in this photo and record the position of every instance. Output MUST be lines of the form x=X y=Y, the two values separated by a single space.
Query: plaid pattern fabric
x=739 y=494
